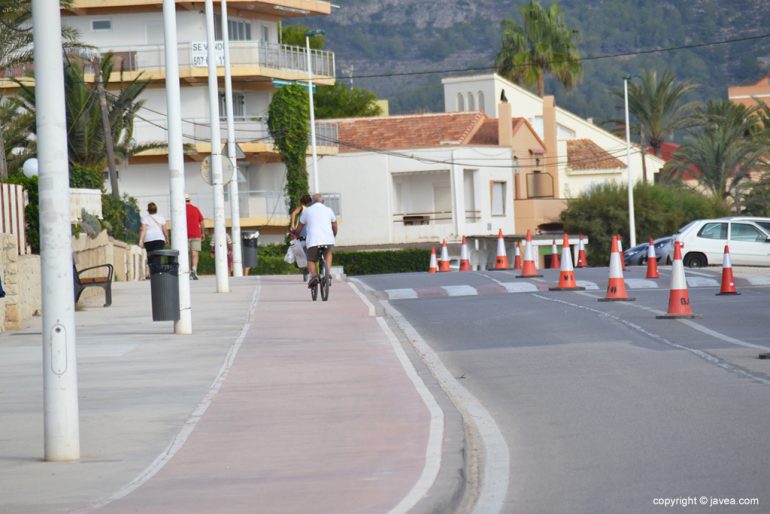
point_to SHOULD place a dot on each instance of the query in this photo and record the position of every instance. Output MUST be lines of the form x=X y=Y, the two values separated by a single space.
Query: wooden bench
x=103 y=281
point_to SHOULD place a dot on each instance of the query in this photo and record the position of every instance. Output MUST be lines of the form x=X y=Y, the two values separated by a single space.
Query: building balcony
x=251 y=134
x=250 y=62
x=247 y=8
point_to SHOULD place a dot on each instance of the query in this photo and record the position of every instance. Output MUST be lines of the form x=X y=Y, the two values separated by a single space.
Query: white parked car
x=704 y=241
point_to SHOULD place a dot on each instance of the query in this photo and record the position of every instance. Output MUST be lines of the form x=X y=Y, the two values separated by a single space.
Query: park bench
x=93 y=280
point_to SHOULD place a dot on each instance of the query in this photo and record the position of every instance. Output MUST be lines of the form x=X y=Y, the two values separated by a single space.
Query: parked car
x=704 y=241
x=637 y=256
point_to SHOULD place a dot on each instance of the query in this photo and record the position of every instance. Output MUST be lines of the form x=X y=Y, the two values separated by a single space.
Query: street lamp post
x=308 y=35
x=631 y=220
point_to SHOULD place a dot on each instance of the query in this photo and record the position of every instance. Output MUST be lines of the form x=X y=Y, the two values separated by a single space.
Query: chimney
x=504 y=125
x=549 y=137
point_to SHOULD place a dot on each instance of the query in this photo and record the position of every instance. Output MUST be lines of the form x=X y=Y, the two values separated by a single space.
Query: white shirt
x=318 y=219
x=154 y=223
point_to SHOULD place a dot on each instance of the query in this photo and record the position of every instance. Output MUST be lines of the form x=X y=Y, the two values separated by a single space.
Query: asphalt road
x=604 y=408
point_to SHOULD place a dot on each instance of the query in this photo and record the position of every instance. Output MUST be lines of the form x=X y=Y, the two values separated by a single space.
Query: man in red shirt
x=195 y=230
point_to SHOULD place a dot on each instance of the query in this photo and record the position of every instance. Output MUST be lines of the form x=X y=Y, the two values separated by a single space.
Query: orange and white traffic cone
x=433 y=267
x=678 y=298
x=728 y=282
x=528 y=269
x=502 y=258
x=616 y=287
x=554 y=255
x=652 y=262
x=620 y=249
x=443 y=262
x=517 y=256
x=567 y=272
x=465 y=261
x=582 y=262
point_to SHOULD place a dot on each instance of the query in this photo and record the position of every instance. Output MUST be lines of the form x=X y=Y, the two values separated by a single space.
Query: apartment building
x=132 y=30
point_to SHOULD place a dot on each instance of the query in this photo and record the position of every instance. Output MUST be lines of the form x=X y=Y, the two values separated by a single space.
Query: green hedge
x=355 y=263
x=384 y=261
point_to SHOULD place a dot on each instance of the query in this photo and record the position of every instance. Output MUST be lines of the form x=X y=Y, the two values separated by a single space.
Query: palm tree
x=85 y=133
x=544 y=44
x=729 y=146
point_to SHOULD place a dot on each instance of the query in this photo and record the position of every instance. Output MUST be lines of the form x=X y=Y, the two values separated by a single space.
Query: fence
x=13 y=199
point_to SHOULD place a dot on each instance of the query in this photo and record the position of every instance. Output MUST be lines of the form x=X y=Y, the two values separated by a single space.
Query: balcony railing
x=247 y=130
x=242 y=53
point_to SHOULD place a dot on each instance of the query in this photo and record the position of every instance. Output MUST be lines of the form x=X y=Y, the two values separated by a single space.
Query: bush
x=121 y=217
x=86 y=178
x=270 y=260
x=383 y=261
x=659 y=210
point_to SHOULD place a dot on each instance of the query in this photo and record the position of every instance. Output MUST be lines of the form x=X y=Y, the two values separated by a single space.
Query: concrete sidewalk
x=276 y=404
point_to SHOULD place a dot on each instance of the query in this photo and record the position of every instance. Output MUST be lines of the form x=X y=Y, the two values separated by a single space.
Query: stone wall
x=21 y=281
x=128 y=260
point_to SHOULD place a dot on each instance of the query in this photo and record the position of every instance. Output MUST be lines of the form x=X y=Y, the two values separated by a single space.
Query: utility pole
x=97 y=63
x=220 y=247
x=60 y=384
x=176 y=168
x=235 y=208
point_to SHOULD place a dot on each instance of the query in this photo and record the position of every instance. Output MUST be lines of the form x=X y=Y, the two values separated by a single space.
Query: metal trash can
x=164 y=285
x=249 y=244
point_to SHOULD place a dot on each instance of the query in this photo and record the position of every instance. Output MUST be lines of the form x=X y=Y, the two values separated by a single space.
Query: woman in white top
x=154 y=234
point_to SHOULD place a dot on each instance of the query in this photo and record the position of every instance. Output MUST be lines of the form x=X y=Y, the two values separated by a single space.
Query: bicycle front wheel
x=324 y=281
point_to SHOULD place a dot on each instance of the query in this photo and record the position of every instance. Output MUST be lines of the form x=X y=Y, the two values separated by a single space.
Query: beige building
x=750 y=95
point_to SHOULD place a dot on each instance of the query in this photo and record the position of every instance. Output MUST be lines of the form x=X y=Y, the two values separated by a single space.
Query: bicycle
x=324 y=277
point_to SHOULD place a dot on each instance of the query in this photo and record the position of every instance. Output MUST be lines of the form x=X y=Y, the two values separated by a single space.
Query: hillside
x=400 y=40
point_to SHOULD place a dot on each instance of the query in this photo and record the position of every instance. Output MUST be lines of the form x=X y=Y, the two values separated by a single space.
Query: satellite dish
x=228 y=169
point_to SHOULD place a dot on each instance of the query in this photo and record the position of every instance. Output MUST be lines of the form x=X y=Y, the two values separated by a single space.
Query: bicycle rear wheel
x=323 y=280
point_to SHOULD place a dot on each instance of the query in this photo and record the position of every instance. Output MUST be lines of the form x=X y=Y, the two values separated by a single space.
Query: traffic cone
x=528 y=269
x=582 y=262
x=433 y=267
x=502 y=258
x=678 y=298
x=554 y=255
x=616 y=286
x=652 y=262
x=620 y=249
x=728 y=283
x=517 y=256
x=443 y=262
x=465 y=261
x=567 y=272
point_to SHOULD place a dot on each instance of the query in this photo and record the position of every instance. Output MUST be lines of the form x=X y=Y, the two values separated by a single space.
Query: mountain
x=391 y=46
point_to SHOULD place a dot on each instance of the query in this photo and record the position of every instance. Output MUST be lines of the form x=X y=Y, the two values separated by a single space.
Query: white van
x=704 y=241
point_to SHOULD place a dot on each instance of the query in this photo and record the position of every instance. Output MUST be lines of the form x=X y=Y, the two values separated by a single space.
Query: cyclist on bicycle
x=321 y=224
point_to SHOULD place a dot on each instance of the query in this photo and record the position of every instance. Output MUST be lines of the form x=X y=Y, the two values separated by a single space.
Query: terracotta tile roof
x=412 y=131
x=584 y=154
x=487 y=132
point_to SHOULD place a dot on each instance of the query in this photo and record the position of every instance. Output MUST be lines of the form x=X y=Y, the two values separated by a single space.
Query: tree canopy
x=340 y=102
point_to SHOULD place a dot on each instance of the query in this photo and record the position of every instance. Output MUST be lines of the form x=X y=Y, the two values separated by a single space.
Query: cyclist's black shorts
x=313 y=253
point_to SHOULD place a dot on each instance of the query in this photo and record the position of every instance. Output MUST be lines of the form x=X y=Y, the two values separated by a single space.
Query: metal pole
x=220 y=248
x=176 y=183
x=316 y=187
x=235 y=209
x=60 y=379
x=631 y=220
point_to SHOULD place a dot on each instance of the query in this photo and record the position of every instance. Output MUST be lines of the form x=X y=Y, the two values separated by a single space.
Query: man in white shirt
x=321 y=226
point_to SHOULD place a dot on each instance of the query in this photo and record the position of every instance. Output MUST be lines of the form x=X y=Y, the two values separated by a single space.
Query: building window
x=238 y=30
x=265 y=34
x=239 y=100
x=498 y=198
x=471 y=106
x=101 y=25
x=460 y=102
x=481 y=101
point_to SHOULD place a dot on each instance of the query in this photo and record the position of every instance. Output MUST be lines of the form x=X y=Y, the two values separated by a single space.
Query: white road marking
x=460 y=290
x=496 y=459
x=435 y=434
x=518 y=287
x=641 y=283
x=701 y=282
x=401 y=294
x=590 y=286
x=758 y=280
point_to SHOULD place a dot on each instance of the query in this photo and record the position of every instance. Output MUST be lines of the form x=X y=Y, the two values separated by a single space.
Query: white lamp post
x=631 y=220
x=308 y=35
